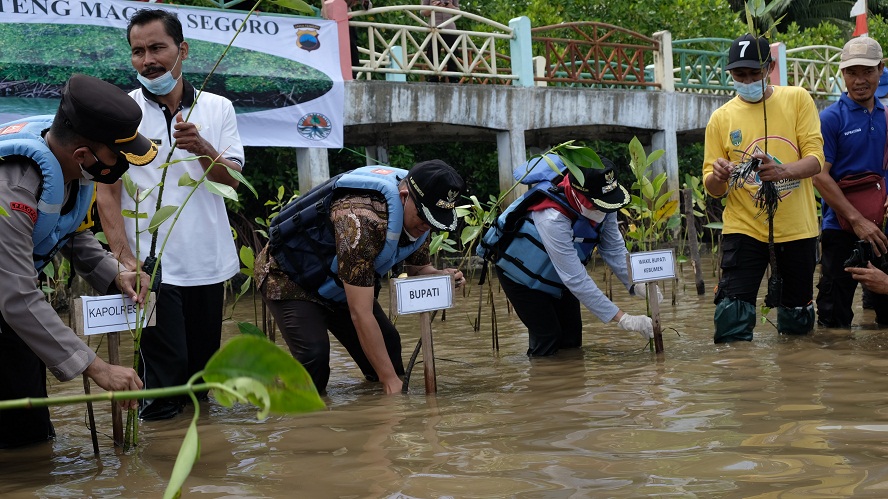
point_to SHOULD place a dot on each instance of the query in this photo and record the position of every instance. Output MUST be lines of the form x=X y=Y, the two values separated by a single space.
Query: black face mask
x=102 y=173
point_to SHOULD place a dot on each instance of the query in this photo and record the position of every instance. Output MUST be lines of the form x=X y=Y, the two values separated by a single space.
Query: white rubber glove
x=641 y=291
x=641 y=324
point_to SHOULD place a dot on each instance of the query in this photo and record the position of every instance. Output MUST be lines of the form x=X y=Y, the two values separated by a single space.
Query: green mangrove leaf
x=129 y=186
x=297 y=5
x=657 y=154
x=289 y=386
x=226 y=191
x=100 y=237
x=3 y=212
x=250 y=390
x=250 y=328
x=160 y=217
x=134 y=214
x=674 y=222
x=240 y=178
x=189 y=453
x=661 y=200
x=647 y=189
x=462 y=212
x=143 y=195
x=714 y=225
x=186 y=181
x=247 y=283
x=470 y=233
x=658 y=182
x=246 y=257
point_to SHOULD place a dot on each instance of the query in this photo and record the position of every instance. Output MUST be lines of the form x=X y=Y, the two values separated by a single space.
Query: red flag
x=858 y=11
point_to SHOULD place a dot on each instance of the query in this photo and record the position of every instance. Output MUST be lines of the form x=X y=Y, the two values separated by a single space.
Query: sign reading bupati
x=113 y=313
x=423 y=293
x=651 y=266
x=282 y=73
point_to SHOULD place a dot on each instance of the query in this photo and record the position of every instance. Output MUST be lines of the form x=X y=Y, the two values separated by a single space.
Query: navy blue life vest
x=302 y=241
x=513 y=242
x=52 y=228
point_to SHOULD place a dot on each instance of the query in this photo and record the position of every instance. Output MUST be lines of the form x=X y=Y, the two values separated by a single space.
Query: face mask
x=407 y=235
x=163 y=84
x=594 y=215
x=102 y=173
x=750 y=92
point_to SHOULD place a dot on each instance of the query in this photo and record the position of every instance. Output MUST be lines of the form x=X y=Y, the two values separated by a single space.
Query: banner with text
x=282 y=73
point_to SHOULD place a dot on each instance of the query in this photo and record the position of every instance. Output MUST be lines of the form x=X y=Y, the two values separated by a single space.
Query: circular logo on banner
x=314 y=126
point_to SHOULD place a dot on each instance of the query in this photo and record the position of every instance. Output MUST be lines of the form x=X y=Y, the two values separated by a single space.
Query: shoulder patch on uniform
x=27 y=210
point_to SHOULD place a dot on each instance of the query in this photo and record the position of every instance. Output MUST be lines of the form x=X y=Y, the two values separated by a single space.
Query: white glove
x=641 y=324
x=641 y=291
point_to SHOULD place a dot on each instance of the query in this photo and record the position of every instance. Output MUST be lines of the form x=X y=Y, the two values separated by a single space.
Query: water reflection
x=779 y=417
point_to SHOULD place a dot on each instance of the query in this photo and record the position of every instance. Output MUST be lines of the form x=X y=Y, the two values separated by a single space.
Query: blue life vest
x=302 y=241
x=52 y=228
x=513 y=242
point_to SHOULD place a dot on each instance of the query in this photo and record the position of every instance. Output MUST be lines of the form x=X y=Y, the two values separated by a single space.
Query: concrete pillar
x=664 y=73
x=667 y=140
x=377 y=155
x=510 y=153
x=337 y=10
x=521 y=52
x=539 y=70
x=314 y=167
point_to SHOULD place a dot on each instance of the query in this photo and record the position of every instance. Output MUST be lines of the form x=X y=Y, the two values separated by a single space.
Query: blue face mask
x=750 y=92
x=163 y=84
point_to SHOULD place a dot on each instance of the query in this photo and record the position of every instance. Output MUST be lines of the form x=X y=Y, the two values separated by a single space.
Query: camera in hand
x=860 y=255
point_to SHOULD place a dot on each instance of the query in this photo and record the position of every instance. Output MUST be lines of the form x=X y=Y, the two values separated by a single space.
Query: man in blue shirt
x=854 y=135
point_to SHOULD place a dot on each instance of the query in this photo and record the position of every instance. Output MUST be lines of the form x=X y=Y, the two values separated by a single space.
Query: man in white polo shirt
x=200 y=253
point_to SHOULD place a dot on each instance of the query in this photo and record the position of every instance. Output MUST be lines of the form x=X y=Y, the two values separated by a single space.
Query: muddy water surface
x=778 y=417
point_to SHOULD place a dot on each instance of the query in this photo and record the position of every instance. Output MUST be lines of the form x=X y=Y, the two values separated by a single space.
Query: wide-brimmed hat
x=104 y=113
x=749 y=51
x=601 y=187
x=435 y=187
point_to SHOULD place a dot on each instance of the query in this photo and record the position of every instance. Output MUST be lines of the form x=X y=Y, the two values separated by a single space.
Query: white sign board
x=110 y=314
x=423 y=293
x=651 y=266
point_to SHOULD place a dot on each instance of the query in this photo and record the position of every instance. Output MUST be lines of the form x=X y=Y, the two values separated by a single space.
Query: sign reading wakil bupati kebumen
x=109 y=314
x=423 y=293
x=282 y=73
x=651 y=266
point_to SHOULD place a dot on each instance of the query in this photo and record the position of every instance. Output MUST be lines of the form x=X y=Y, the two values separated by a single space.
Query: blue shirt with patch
x=853 y=142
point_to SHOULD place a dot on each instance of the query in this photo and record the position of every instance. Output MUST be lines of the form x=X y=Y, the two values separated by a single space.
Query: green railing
x=699 y=65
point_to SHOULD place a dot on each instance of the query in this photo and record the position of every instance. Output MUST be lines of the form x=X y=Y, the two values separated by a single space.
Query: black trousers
x=304 y=326
x=22 y=374
x=835 y=290
x=745 y=259
x=552 y=323
x=187 y=333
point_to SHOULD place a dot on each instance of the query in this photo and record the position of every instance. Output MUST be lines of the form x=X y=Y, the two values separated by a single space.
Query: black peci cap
x=104 y=113
x=435 y=187
x=601 y=187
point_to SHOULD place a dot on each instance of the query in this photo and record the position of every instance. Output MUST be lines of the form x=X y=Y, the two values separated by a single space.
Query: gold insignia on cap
x=416 y=187
x=142 y=160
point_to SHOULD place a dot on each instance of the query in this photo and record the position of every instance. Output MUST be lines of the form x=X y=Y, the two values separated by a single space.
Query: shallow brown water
x=779 y=417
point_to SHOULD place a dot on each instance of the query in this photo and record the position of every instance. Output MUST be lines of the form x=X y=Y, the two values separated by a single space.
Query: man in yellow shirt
x=790 y=147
